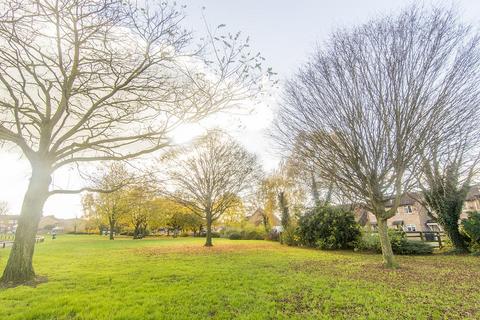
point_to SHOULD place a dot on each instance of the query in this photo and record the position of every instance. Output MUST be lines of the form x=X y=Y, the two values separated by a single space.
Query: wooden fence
x=434 y=237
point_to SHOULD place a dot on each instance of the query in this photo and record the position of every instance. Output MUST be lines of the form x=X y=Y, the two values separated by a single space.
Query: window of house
x=410 y=227
x=408 y=209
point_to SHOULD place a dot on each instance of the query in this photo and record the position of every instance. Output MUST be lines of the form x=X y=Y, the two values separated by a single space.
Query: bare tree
x=299 y=161
x=366 y=106
x=209 y=177
x=88 y=80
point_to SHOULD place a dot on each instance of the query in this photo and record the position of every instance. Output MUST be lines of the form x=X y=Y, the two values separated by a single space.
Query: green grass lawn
x=90 y=277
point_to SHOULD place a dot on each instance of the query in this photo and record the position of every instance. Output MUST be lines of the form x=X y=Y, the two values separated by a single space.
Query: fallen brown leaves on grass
x=418 y=270
x=420 y=280
x=202 y=250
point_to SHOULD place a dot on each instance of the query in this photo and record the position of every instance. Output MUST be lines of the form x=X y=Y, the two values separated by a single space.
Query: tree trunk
x=315 y=194
x=446 y=201
x=208 y=241
x=136 y=232
x=458 y=240
x=112 y=228
x=19 y=267
x=449 y=215
x=387 y=252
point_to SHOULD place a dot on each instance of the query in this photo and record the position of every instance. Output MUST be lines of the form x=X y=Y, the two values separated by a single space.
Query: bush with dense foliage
x=235 y=236
x=254 y=235
x=203 y=234
x=471 y=228
x=246 y=233
x=369 y=241
x=327 y=227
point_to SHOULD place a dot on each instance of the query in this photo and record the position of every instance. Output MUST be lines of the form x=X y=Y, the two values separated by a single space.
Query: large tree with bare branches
x=89 y=80
x=209 y=177
x=366 y=105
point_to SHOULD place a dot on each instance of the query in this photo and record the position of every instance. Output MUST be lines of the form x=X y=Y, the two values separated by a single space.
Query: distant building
x=412 y=216
x=8 y=223
x=257 y=218
x=49 y=223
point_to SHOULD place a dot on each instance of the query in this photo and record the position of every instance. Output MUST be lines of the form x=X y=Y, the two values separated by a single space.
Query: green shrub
x=471 y=228
x=184 y=234
x=290 y=236
x=254 y=235
x=235 y=236
x=214 y=234
x=369 y=241
x=413 y=247
x=400 y=244
x=327 y=227
x=245 y=233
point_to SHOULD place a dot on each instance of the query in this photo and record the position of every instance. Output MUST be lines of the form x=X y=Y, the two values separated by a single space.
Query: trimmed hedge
x=252 y=234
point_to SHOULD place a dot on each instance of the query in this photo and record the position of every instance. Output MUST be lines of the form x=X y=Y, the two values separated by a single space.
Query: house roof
x=405 y=200
x=473 y=193
x=256 y=218
x=411 y=198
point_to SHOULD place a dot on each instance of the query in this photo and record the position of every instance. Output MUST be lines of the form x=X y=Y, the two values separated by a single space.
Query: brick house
x=412 y=216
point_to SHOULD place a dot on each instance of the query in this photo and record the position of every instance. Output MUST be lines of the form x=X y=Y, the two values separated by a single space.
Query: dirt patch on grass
x=202 y=250
x=297 y=302
x=307 y=303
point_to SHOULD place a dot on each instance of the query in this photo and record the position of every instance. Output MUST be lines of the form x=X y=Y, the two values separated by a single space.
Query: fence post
x=421 y=236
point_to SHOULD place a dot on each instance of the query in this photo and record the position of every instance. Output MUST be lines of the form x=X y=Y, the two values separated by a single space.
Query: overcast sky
x=285 y=32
